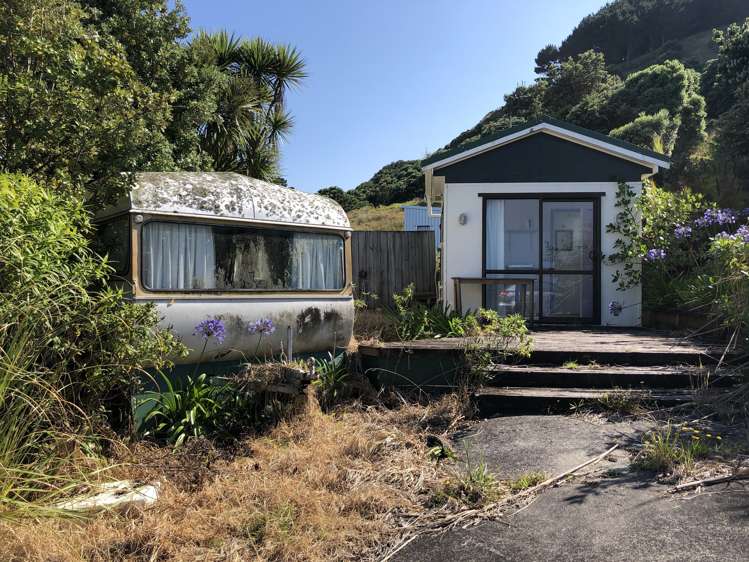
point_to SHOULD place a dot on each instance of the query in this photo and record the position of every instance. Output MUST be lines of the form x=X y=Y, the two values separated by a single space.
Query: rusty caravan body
x=221 y=245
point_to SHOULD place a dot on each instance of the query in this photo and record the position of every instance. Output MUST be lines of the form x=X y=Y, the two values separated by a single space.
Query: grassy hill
x=384 y=217
x=693 y=50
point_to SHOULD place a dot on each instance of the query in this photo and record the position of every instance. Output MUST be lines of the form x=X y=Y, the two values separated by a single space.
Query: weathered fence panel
x=387 y=262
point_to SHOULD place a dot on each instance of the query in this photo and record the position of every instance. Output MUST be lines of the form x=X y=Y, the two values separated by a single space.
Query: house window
x=182 y=256
x=113 y=240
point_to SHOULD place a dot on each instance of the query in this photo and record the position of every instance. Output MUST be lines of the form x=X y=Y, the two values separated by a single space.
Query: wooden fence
x=387 y=262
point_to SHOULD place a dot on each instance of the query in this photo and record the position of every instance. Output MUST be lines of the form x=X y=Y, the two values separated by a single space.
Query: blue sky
x=392 y=79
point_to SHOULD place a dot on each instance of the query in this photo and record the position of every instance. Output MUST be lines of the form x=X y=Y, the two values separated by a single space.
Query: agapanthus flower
x=264 y=327
x=211 y=328
x=615 y=308
x=682 y=231
x=655 y=254
x=716 y=217
x=742 y=234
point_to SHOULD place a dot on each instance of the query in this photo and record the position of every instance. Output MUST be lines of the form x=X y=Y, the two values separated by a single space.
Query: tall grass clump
x=71 y=348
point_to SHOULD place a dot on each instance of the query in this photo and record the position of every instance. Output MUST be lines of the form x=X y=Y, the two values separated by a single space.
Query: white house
x=524 y=215
x=419 y=217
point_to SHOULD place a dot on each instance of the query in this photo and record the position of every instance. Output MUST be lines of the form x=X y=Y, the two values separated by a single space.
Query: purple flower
x=615 y=308
x=655 y=254
x=207 y=328
x=682 y=231
x=716 y=217
x=264 y=327
x=742 y=234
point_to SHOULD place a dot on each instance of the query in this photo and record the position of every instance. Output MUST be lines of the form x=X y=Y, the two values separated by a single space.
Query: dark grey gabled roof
x=662 y=159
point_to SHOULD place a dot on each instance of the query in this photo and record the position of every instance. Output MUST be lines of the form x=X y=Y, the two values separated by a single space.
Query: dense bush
x=502 y=336
x=70 y=348
x=687 y=254
x=85 y=333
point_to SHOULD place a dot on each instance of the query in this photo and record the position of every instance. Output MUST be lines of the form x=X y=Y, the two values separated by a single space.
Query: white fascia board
x=572 y=136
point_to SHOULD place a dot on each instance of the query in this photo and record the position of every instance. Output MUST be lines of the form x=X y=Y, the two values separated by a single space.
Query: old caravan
x=204 y=246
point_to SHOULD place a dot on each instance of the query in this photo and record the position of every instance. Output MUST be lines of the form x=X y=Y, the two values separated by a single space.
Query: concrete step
x=603 y=376
x=492 y=401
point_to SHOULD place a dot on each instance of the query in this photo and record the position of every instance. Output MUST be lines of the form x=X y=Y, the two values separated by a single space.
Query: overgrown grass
x=472 y=485
x=317 y=487
x=617 y=403
x=673 y=449
x=42 y=436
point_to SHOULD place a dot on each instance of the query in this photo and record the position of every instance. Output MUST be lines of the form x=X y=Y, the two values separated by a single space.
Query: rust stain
x=309 y=319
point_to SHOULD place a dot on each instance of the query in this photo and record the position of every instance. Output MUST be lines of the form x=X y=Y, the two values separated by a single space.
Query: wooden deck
x=607 y=346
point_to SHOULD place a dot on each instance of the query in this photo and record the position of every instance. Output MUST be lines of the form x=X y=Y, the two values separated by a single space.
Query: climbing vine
x=629 y=247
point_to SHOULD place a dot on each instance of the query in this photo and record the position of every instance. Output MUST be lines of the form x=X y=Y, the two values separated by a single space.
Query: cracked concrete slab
x=614 y=516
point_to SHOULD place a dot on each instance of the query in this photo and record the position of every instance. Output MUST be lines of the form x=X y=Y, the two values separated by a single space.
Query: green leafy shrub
x=70 y=348
x=197 y=408
x=331 y=376
x=98 y=342
x=413 y=321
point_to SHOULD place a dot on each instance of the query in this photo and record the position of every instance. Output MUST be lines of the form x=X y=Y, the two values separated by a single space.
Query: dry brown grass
x=372 y=325
x=384 y=217
x=318 y=487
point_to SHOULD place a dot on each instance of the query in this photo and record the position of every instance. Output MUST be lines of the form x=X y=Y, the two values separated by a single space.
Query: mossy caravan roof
x=229 y=195
x=547 y=124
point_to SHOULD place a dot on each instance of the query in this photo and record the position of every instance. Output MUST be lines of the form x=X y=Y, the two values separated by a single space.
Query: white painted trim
x=547 y=128
x=237 y=220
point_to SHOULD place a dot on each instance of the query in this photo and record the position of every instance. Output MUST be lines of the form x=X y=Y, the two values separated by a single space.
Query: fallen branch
x=739 y=475
x=558 y=477
x=426 y=524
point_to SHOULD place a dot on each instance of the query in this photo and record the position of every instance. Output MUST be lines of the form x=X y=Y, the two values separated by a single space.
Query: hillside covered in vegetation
x=672 y=75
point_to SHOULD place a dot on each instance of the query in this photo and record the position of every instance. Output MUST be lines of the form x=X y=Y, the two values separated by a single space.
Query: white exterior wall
x=462 y=244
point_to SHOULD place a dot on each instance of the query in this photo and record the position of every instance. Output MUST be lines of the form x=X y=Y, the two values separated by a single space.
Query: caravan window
x=179 y=256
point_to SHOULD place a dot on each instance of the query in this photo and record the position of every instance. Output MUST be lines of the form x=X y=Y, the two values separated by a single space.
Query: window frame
x=129 y=244
x=252 y=226
x=596 y=273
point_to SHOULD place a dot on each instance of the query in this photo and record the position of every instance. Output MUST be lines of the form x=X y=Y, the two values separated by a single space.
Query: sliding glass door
x=553 y=241
x=569 y=260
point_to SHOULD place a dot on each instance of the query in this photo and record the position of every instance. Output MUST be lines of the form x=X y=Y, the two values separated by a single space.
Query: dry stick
x=558 y=477
x=740 y=475
x=452 y=520
x=402 y=545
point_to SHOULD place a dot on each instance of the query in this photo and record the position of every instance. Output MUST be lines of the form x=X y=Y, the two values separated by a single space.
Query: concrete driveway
x=611 y=515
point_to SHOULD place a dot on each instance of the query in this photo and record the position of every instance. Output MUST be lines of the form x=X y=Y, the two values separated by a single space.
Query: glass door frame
x=595 y=198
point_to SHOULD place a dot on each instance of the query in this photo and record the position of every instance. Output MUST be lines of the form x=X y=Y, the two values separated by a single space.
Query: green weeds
x=527 y=480
x=670 y=448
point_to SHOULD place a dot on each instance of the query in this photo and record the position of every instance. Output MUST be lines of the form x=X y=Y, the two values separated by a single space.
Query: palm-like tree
x=250 y=118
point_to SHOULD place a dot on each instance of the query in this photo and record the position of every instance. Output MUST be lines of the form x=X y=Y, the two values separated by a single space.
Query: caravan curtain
x=178 y=256
x=316 y=262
